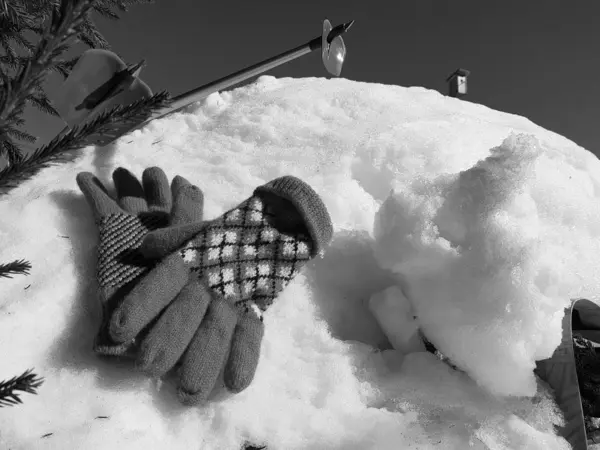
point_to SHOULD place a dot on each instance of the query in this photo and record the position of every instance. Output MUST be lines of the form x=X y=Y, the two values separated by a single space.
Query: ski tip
x=347 y=25
x=135 y=69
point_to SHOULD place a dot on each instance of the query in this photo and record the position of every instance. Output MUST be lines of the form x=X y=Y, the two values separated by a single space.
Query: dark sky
x=537 y=59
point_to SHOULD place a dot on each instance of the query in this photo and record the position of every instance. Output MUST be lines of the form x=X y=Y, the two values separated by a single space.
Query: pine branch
x=21 y=40
x=105 y=11
x=64 y=67
x=19 y=267
x=58 y=51
x=16 y=117
x=11 y=150
x=63 y=26
x=61 y=148
x=13 y=63
x=30 y=11
x=41 y=102
x=12 y=12
x=5 y=43
x=15 y=20
x=66 y=22
x=91 y=37
x=20 y=135
x=123 y=4
x=27 y=382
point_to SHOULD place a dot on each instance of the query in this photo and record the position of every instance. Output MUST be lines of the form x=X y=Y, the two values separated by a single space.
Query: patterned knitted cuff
x=309 y=205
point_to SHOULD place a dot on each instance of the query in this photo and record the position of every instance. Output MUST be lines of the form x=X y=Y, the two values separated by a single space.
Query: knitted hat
x=308 y=203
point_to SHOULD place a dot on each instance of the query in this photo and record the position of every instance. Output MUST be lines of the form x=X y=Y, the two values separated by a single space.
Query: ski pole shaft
x=181 y=101
x=330 y=37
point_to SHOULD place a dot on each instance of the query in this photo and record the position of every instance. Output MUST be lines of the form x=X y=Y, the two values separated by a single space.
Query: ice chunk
x=394 y=313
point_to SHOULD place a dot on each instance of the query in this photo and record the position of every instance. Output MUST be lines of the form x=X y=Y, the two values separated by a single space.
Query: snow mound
x=491 y=255
x=489 y=231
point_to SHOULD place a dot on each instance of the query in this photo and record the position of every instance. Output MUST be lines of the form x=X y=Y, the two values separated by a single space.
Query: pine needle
x=19 y=267
x=28 y=382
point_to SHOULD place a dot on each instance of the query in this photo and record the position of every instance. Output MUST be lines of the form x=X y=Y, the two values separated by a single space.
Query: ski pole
x=333 y=52
x=181 y=101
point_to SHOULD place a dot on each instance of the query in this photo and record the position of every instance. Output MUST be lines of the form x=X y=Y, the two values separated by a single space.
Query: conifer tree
x=35 y=36
x=22 y=27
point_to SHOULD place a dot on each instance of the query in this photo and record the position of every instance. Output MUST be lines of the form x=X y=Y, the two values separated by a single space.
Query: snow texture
x=485 y=222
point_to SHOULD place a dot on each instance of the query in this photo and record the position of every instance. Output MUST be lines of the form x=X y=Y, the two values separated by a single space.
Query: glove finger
x=245 y=353
x=170 y=336
x=101 y=203
x=205 y=357
x=148 y=298
x=188 y=204
x=156 y=187
x=178 y=183
x=103 y=344
x=130 y=192
x=164 y=241
x=106 y=348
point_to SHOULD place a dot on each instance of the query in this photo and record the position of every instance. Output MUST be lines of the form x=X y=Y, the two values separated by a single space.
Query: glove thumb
x=165 y=241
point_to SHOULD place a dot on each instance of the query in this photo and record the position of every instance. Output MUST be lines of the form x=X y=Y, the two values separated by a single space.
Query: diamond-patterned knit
x=244 y=259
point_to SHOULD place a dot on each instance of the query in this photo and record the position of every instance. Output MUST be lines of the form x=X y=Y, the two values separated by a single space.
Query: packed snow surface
x=484 y=224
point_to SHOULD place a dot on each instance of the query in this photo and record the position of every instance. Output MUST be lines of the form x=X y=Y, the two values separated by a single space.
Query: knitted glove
x=221 y=275
x=122 y=225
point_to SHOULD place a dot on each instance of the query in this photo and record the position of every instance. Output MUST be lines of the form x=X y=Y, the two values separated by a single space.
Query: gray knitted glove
x=123 y=224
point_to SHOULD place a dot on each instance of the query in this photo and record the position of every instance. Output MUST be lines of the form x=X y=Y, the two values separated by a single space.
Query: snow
x=486 y=223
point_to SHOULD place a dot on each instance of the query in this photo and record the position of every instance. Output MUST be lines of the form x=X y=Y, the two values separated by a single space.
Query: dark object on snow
x=433 y=350
x=248 y=446
x=587 y=363
x=457 y=83
x=573 y=372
